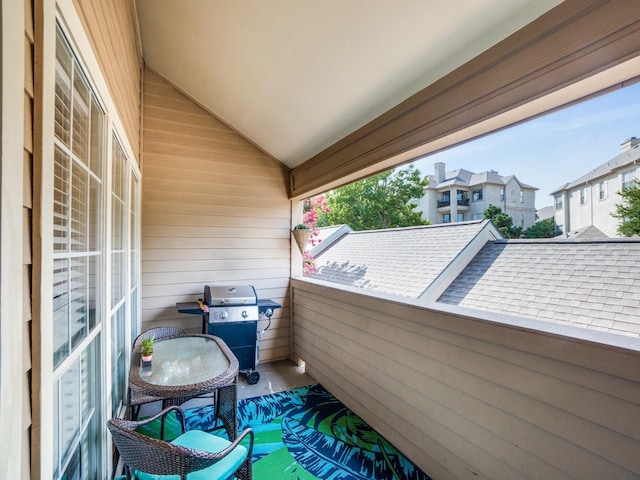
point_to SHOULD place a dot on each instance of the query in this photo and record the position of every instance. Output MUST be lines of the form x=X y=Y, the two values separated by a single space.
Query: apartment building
x=590 y=200
x=460 y=195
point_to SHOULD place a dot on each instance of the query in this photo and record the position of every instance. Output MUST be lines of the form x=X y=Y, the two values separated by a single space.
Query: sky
x=553 y=149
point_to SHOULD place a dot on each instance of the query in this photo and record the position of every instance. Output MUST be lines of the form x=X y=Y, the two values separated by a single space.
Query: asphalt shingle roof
x=592 y=284
x=462 y=177
x=619 y=161
x=401 y=261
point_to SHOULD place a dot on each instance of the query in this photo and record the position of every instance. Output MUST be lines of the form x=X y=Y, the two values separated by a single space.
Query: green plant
x=147 y=346
x=301 y=226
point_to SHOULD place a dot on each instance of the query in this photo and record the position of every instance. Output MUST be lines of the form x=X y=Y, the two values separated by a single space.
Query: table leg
x=227 y=409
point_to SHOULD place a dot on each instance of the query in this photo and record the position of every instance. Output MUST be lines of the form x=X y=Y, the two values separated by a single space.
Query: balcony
x=468 y=394
x=462 y=203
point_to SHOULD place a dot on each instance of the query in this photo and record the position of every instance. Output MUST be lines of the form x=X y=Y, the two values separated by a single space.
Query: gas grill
x=232 y=313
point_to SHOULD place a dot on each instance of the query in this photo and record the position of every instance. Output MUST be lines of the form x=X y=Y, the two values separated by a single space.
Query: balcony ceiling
x=295 y=76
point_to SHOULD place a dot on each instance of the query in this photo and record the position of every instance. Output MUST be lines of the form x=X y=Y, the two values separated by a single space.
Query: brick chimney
x=439 y=168
x=629 y=143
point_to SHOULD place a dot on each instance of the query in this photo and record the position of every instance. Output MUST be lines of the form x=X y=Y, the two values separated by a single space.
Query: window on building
x=462 y=197
x=629 y=179
x=477 y=216
x=134 y=251
x=583 y=196
x=446 y=218
x=476 y=195
x=445 y=199
x=502 y=194
x=78 y=250
x=602 y=189
x=513 y=196
x=558 y=201
x=522 y=220
x=460 y=217
x=119 y=245
x=521 y=196
x=82 y=223
x=77 y=205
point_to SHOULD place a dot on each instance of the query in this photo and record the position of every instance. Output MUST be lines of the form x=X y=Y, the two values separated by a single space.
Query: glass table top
x=185 y=365
x=184 y=361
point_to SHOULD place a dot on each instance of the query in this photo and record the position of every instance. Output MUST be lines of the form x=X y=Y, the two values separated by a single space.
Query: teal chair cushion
x=199 y=440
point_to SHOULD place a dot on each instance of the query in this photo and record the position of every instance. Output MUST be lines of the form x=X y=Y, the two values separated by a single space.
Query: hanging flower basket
x=301 y=235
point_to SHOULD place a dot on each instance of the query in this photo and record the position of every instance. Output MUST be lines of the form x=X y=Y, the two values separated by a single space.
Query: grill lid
x=230 y=295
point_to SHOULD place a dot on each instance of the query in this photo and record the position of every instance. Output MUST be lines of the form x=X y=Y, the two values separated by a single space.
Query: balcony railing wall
x=465 y=395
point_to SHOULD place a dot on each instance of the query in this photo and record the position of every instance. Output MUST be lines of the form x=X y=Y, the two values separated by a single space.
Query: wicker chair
x=194 y=455
x=135 y=397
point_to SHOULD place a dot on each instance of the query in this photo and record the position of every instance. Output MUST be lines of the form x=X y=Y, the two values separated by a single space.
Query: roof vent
x=630 y=143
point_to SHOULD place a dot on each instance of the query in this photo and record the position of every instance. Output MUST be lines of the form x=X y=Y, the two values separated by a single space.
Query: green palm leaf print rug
x=306 y=433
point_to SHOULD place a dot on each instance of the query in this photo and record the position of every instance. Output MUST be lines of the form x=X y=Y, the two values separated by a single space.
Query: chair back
x=158 y=333
x=157 y=457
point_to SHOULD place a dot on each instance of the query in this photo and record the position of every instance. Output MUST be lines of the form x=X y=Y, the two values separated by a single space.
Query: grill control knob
x=245 y=314
x=222 y=315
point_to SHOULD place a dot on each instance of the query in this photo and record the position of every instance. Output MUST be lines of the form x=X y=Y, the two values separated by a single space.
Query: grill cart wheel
x=253 y=377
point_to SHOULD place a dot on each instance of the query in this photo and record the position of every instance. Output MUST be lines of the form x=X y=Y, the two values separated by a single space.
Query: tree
x=386 y=200
x=542 y=229
x=628 y=211
x=503 y=221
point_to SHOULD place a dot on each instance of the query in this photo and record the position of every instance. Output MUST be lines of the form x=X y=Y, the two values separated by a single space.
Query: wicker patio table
x=188 y=366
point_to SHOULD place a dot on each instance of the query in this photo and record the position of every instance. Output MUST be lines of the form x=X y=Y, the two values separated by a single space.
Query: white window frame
x=602 y=190
x=629 y=179
x=64 y=14
x=558 y=202
x=80 y=448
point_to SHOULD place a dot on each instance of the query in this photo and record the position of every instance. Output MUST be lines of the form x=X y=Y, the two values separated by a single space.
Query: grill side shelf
x=267 y=306
x=192 y=308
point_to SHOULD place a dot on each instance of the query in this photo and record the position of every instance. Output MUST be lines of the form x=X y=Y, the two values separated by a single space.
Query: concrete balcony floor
x=274 y=377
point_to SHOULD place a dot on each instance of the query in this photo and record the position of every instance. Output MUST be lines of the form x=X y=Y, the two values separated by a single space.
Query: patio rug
x=306 y=433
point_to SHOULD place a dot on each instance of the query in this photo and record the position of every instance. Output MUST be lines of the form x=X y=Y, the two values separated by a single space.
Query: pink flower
x=312 y=209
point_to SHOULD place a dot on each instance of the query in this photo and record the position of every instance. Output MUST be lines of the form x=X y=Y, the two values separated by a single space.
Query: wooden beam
x=572 y=42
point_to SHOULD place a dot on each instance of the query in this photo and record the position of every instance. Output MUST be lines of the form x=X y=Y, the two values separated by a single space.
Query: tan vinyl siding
x=214 y=211
x=16 y=152
x=466 y=398
x=112 y=29
x=27 y=218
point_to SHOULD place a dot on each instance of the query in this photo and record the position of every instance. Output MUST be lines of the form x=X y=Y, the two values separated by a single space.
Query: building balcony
x=461 y=202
